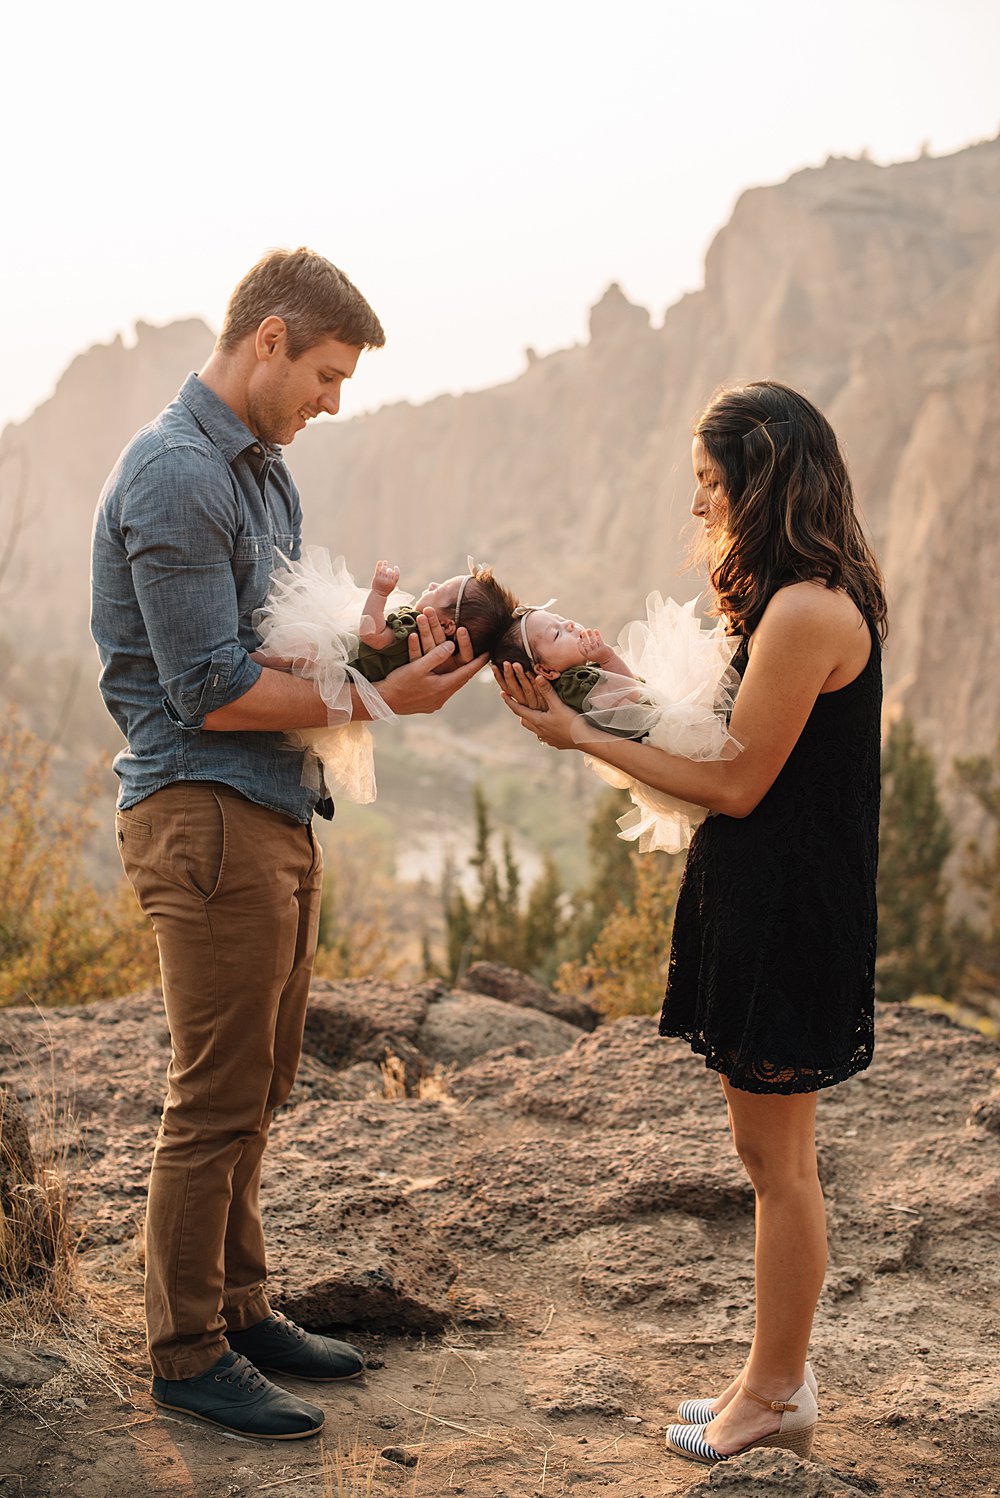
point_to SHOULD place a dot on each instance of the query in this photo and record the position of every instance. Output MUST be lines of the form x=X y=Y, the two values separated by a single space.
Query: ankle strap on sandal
x=778 y=1405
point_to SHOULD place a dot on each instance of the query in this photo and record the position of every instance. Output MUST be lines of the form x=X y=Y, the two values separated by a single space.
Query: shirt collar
x=219 y=422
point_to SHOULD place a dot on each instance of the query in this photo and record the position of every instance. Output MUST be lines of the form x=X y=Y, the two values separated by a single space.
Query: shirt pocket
x=253 y=561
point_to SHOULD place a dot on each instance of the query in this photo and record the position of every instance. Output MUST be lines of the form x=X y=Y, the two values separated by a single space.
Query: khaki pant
x=233 y=891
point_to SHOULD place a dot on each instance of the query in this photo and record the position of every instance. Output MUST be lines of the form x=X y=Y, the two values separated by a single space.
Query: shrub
x=61 y=940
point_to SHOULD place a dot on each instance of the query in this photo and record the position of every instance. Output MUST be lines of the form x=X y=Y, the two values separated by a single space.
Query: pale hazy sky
x=481 y=171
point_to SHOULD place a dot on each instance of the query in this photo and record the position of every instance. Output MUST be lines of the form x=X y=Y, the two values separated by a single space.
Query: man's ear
x=270 y=338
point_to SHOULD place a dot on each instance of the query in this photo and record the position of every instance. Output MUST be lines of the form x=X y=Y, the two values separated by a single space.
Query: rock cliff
x=875 y=289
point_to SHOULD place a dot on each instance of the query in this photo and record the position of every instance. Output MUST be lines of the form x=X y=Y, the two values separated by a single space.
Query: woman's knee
x=774 y=1161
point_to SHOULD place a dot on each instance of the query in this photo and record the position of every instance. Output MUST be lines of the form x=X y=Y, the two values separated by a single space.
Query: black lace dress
x=772 y=967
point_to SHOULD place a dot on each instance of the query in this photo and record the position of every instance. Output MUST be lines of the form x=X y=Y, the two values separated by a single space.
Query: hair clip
x=767 y=422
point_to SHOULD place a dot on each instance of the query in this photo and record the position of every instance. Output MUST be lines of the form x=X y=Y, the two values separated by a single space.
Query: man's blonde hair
x=313 y=298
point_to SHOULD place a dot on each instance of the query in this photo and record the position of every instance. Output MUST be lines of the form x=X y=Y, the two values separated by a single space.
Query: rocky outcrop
x=506 y=983
x=576 y=1231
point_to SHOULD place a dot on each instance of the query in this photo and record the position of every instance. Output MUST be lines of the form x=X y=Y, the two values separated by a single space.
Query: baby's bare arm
x=374 y=631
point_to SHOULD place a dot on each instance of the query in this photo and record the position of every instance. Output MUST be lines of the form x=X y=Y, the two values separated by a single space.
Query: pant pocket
x=204 y=841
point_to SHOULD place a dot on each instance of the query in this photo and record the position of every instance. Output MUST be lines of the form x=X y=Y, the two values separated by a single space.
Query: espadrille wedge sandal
x=700 y=1411
x=795 y=1433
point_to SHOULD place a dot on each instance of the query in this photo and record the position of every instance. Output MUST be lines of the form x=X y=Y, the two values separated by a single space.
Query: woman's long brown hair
x=791 y=512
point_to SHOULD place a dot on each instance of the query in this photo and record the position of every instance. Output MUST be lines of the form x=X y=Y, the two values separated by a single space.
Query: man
x=214 y=822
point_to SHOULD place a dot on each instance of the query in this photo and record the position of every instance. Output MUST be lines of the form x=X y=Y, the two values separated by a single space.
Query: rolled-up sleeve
x=179 y=523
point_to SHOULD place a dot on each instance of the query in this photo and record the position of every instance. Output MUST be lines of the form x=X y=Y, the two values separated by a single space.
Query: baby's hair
x=486 y=610
x=510 y=647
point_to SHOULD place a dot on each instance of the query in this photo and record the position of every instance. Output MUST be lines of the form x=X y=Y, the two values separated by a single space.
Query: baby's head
x=542 y=642
x=473 y=600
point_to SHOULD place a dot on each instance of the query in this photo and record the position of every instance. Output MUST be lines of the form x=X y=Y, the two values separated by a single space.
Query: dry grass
x=46 y=1295
x=432 y=1087
x=36 y=1241
x=962 y=1014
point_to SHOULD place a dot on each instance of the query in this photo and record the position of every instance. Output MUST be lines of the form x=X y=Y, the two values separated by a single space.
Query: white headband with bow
x=521 y=612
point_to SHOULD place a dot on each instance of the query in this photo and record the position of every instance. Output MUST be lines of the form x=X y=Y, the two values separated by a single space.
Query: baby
x=319 y=624
x=673 y=685
x=585 y=672
x=474 y=600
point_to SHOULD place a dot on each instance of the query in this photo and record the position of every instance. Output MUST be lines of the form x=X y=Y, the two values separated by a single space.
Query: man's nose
x=330 y=402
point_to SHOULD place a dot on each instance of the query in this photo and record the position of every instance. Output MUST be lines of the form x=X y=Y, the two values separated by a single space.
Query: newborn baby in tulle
x=586 y=674
x=670 y=682
x=474 y=600
x=320 y=624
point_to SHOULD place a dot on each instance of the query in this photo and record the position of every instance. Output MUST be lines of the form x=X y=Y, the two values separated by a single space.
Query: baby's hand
x=385 y=578
x=593 y=648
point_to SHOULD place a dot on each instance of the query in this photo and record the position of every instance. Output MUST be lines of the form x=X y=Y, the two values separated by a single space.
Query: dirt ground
x=581 y=1325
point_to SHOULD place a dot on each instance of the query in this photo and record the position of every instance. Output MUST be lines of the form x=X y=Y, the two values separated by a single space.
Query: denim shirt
x=184 y=543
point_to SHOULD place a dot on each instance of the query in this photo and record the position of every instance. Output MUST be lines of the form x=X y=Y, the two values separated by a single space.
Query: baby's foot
x=385 y=578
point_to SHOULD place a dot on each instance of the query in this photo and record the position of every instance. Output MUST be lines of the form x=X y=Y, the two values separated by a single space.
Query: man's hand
x=437 y=670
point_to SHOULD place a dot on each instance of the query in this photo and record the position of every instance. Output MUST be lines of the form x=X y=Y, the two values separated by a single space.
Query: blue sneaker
x=234 y=1395
x=280 y=1346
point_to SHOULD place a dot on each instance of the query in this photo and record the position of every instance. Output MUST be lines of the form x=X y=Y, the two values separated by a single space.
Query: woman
x=772 y=965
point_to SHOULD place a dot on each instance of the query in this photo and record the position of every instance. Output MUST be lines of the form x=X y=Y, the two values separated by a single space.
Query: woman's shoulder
x=812 y=605
x=820 y=627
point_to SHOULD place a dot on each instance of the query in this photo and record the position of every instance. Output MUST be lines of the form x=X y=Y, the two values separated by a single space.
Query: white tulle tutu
x=312 y=622
x=687 y=685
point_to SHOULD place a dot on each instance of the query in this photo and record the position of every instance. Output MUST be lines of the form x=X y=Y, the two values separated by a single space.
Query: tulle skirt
x=681 y=704
x=311 y=623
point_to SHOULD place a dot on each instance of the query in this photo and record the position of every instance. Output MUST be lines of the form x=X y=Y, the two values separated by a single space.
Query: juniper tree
x=979 y=776
x=916 y=952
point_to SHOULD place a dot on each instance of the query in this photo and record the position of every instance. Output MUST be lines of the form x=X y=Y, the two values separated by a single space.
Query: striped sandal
x=795 y=1433
x=700 y=1411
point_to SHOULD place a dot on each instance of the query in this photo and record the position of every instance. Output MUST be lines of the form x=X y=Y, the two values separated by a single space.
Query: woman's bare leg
x=775 y=1138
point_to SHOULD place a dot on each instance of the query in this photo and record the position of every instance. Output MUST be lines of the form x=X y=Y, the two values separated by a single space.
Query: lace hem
x=762 y=1077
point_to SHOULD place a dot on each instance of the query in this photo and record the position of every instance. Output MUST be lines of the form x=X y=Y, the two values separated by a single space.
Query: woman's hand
x=534 y=701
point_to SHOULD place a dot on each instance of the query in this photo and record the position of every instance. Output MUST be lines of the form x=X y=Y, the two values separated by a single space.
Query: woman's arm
x=806 y=637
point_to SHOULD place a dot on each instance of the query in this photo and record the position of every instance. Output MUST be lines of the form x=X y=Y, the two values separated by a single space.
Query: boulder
x=24 y=1369
x=507 y=984
x=771 y=1471
x=463 y=1026
x=365 y=1020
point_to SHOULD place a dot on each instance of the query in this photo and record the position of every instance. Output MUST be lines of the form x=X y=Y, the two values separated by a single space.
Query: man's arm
x=178 y=525
x=279 y=701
